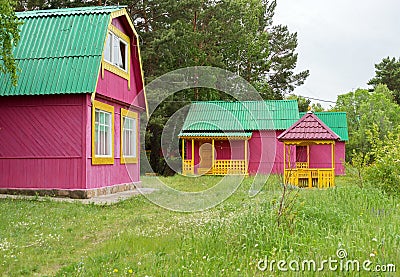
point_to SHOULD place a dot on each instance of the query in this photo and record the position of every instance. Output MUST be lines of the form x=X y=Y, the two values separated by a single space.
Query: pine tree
x=387 y=72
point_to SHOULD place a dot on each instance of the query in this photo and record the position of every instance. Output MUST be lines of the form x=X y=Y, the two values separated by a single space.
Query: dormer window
x=116 y=51
x=116 y=56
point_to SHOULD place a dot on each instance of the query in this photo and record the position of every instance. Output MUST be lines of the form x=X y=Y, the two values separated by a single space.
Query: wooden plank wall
x=41 y=142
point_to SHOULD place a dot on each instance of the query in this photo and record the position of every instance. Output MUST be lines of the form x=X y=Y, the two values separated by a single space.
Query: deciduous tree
x=9 y=37
x=364 y=110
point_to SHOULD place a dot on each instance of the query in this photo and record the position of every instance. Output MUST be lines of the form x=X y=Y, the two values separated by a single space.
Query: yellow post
x=333 y=163
x=284 y=162
x=245 y=156
x=212 y=157
x=183 y=157
x=192 y=156
x=308 y=166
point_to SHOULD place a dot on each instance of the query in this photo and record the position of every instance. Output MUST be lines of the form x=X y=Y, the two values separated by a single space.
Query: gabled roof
x=60 y=51
x=336 y=121
x=309 y=127
x=246 y=115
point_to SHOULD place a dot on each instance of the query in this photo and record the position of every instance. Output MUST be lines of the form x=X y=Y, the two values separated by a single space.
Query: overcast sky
x=340 y=41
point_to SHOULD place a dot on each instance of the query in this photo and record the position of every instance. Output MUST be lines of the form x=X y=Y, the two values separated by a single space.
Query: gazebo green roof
x=59 y=51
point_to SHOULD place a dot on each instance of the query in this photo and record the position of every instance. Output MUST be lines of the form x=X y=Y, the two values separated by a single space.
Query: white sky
x=340 y=41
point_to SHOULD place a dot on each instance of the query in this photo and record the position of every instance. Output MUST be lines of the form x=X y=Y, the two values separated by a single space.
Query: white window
x=116 y=51
x=103 y=133
x=129 y=139
x=129 y=136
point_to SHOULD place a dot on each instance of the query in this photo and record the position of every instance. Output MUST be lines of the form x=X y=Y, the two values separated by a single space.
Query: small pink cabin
x=71 y=125
x=221 y=138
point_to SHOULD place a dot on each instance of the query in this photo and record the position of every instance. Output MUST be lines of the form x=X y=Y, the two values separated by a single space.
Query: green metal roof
x=216 y=134
x=336 y=121
x=244 y=115
x=59 y=51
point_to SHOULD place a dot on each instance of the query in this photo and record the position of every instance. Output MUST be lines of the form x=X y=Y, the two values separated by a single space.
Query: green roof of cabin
x=59 y=51
x=336 y=121
x=241 y=116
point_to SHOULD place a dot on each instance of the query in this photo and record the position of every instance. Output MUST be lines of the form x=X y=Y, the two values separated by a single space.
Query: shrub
x=384 y=172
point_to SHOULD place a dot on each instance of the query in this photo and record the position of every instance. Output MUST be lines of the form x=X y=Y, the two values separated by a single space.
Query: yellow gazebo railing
x=310 y=177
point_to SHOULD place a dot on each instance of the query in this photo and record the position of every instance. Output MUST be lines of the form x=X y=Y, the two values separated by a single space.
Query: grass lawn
x=137 y=237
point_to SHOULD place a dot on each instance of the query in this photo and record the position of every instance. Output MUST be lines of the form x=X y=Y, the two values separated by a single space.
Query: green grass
x=136 y=237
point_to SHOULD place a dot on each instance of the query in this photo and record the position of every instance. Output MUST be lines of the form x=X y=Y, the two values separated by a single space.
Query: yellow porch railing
x=187 y=167
x=310 y=177
x=224 y=167
x=220 y=167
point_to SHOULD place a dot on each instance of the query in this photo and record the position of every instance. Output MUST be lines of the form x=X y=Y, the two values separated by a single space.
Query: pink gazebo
x=309 y=135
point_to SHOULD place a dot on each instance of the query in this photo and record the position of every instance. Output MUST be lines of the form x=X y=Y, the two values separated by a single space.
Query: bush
x=384 y=172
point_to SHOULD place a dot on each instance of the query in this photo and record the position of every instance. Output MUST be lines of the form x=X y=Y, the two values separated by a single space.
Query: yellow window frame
x=111 y=67
x=132 y=115
x=110 y=109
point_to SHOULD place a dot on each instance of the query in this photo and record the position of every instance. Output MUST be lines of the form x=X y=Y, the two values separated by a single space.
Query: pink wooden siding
x=116 y=87
x=117 y=173
x=266 y=153
x=340 y=156
x=41 y=142
x=321 y=157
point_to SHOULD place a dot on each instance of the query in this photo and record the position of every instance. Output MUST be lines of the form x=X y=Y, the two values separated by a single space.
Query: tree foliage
x=9 y=38
x=23 y=5
x=385 y=171
x=388 y=72
x=302 y=102
x=366 y=109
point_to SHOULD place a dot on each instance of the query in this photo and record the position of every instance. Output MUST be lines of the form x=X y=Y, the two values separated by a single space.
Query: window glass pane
x=134 y=138
x=115 y=50
x=122 y=49
x=103 y=133
x=129 y=137
x=107 y=50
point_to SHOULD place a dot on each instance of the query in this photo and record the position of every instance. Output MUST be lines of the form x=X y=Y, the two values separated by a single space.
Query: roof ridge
x=69 y=11
x=57 y=57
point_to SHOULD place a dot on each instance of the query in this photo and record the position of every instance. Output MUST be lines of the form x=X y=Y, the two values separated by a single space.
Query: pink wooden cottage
x=221 y=138
x=71 y=125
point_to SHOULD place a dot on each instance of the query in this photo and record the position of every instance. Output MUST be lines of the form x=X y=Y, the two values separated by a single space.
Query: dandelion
x=130 y=271
x=115 y=270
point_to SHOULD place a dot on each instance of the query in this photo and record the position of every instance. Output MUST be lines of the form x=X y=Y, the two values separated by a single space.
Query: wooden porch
x=209 y=164
x=219 y=167
x=305 y=177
